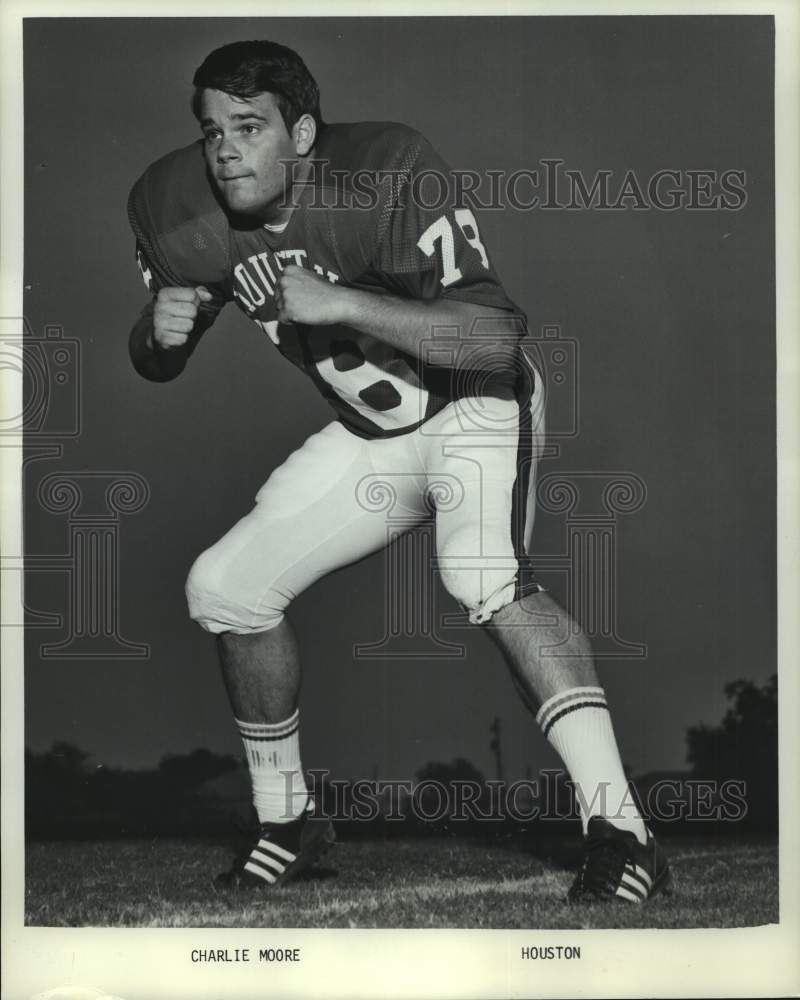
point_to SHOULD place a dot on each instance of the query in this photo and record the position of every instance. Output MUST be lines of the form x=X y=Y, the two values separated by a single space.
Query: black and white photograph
x=397 y=412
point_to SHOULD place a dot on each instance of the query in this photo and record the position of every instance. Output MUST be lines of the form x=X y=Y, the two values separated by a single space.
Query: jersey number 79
x=442 y=230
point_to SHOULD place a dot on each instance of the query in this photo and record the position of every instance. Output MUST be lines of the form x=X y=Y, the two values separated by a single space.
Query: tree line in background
x=205 y=793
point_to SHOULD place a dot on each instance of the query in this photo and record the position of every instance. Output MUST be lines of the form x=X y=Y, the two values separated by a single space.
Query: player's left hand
x=301 y=296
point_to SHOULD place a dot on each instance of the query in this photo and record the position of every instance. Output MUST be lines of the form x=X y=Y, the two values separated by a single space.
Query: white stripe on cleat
x=261 y=872
x=265 y=859
x=277 y=850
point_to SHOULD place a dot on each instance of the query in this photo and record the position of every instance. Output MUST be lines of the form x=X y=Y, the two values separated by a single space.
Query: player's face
x=247 y=145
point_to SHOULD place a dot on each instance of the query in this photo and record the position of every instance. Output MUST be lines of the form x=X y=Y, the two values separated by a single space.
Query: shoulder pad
x=178 y=221
x=370 y=145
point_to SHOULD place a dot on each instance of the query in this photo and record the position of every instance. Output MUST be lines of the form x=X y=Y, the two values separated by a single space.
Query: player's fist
x=301 y=296
x=175 y=313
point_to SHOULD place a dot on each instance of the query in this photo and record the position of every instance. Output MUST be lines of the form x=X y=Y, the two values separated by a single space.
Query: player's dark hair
x=244 y=69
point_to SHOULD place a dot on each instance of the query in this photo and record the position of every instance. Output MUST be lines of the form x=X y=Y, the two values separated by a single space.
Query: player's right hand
x=175 y=313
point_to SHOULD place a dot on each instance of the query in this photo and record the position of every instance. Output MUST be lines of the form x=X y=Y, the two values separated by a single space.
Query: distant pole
x=496 y=747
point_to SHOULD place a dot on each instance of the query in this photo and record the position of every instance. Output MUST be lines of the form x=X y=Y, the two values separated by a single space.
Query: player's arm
x=407 y=324
x=411 y=324
x=168 y=330
x=181 y=239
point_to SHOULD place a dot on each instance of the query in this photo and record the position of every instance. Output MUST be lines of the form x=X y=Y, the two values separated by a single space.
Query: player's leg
x=553 y=670
x=307 y=522
x=549 y=657
x=261 y=671
x=545 y=651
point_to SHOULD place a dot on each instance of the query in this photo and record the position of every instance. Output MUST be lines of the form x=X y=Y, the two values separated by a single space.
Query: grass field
x=425 y=882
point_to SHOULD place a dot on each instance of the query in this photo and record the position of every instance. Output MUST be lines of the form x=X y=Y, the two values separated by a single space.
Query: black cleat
x=616 y=867
x=278 y=852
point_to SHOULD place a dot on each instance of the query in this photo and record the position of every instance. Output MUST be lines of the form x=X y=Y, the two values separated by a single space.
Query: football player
x=352 y=248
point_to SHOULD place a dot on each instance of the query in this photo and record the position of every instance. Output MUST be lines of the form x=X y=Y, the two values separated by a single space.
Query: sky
x=666 y=321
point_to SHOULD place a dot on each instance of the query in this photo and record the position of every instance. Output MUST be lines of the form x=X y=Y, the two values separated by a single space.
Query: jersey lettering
x=368 y=386
x=469 y=227
x=442 y=231
x=144 y=270
x=257 y=260
x=252 y=295
x=291 y=255
x=333 y=278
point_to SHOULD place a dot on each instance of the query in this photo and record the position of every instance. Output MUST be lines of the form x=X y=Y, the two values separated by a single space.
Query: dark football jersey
x=378 y=210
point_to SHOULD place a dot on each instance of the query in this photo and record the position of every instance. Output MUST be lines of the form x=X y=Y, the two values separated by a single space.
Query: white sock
x=273 y=756
x=577 y=724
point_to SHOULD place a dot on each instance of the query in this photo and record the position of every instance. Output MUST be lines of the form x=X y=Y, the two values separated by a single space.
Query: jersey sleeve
x=429 y=243
x=156 y=275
